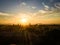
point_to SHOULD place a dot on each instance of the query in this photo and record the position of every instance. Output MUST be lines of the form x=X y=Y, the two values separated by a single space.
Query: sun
x=24 y=21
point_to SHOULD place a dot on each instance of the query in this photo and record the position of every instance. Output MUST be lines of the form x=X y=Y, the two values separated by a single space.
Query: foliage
x=30 y=35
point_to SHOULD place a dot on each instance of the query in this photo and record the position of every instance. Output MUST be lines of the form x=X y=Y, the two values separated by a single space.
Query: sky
x=35 y=11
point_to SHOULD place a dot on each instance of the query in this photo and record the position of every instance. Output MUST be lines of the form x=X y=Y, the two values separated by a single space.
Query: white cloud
x=46 y=13
x=33 y=7
x=42 y=11
x=23 y=3
x=4 y=14
x=23 y=6
x=45 y=6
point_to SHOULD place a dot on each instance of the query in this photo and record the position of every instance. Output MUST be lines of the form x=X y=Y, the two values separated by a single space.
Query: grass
x=30 y=35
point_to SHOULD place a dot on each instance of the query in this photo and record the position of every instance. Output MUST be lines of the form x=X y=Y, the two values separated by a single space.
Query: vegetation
x=30 y=35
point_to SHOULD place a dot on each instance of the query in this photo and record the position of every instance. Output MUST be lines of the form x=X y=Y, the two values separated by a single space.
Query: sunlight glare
x=24 y=21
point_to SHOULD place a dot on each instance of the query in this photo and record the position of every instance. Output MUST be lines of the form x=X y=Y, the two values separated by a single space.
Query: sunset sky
x=29 y=11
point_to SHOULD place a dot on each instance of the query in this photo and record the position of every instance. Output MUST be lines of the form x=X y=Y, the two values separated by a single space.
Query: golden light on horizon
x=23 y=20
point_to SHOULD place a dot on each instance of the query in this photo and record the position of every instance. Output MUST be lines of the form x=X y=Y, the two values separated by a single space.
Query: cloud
x=26 y=6
x=57 y=5
x=33 y=7
x=42 y=11
x=46 y=7
x=53 y=13
x=23 y=4
x=4 y=14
